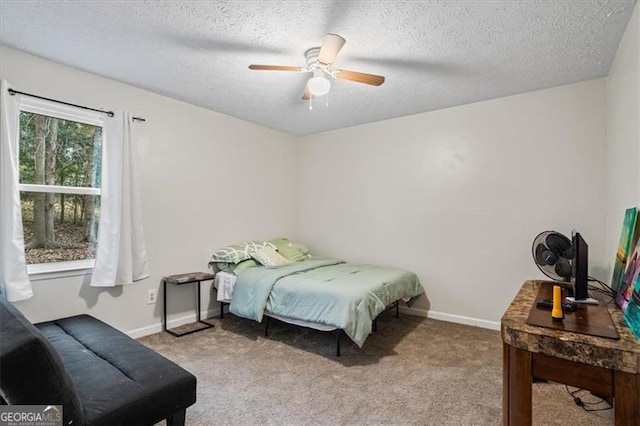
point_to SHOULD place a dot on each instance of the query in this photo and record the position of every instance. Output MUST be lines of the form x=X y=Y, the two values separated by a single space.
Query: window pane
x=59 y=227
x=60 y=152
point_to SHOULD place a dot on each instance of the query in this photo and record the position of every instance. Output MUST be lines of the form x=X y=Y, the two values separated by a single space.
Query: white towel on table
x=225 y=282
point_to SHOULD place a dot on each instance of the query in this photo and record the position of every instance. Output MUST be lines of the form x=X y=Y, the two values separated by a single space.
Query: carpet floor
x=412 y=371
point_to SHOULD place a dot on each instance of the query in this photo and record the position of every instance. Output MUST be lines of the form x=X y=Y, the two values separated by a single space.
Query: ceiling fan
x=319 y=61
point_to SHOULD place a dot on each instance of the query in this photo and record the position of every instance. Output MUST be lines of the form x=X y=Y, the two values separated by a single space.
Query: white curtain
x=121 y=256
x=14 y=280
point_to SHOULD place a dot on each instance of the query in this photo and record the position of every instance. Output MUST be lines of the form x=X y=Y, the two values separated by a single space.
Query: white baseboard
x=175 y=322
x=459 y=319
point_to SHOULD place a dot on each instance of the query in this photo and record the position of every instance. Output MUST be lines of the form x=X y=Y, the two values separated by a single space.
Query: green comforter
x=325 y=291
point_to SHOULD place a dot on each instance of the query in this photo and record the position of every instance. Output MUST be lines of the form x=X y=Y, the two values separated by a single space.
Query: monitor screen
x=580 y=266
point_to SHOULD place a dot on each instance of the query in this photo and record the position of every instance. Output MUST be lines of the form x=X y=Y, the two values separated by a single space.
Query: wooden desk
x=610 y=368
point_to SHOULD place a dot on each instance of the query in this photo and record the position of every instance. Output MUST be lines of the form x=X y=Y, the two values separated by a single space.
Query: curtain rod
x=109 y=113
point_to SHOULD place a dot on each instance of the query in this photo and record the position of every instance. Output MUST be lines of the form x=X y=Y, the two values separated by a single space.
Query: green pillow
x=221 y=266
x=234 y=268
x=289 y=250
x=245 y=264
x=304 y=249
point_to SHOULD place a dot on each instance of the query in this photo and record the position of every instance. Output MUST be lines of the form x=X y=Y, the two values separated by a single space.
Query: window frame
x=53 y=270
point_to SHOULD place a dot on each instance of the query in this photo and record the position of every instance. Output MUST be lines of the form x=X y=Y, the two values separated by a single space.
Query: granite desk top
x=622 y=355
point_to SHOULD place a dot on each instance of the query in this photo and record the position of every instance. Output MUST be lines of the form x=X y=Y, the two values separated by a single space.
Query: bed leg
x=397 y=309
x=221 y=310
x=338 y=335
x=375 y=325
x=266 y=326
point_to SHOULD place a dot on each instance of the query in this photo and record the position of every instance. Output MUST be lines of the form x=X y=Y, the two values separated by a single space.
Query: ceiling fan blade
x=275 y=68
x=360 y=77
x=331 y=45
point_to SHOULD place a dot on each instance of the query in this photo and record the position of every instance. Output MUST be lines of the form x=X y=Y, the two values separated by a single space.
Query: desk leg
x=164 y=305
x=626 y=398
x=198 y=307
x=516 y=386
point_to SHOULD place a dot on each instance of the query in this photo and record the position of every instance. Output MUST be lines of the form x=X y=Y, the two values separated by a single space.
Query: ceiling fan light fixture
x=319 y=85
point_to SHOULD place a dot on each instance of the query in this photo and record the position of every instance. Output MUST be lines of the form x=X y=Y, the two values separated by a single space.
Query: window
x=60 y=156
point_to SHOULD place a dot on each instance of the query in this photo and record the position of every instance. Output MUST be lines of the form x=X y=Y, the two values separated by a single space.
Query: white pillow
x=268 y=256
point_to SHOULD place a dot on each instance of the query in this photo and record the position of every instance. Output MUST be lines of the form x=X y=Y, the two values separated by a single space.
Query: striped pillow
x=236 y=253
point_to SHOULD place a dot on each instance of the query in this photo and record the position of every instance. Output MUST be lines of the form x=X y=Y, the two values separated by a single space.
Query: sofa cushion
x=120 y=381
x=32 y=371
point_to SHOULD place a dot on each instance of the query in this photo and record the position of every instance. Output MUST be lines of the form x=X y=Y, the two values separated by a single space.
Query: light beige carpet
x=411 y=371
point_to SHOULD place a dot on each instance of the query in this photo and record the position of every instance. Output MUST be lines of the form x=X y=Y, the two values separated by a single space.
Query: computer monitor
x=580 y=270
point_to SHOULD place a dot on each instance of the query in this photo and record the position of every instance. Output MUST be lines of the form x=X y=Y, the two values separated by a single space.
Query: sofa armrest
x=31 y=371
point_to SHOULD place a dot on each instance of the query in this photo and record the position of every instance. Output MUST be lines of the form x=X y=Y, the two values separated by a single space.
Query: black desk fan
x=553 y=253
x=564 y=260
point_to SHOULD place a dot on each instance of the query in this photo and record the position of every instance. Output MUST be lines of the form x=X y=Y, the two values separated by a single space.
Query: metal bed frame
x=339 y=332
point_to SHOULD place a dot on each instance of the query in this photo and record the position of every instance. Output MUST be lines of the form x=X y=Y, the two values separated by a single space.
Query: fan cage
x=540 y=239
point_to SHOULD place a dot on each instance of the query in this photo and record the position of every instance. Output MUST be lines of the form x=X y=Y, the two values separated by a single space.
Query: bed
x=324 y=294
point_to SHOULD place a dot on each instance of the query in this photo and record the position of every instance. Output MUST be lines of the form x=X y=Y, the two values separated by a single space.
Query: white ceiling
x=433 y=54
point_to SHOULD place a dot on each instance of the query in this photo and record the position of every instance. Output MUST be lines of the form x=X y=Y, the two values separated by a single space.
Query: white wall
x=458 y=195
x=623 y=133
x=207 y=180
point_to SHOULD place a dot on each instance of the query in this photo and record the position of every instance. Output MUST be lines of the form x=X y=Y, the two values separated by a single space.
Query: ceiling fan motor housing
x=311 y=56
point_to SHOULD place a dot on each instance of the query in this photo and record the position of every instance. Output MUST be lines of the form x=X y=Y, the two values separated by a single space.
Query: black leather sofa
x=99 y=375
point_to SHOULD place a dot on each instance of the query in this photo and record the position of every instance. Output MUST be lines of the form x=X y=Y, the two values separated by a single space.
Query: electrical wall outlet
x=152 y=296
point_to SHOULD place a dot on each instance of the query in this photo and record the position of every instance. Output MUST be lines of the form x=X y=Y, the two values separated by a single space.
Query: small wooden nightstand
x=181 y=279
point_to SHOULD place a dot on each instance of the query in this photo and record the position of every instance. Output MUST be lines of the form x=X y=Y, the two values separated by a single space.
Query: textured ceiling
x=433 y=54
